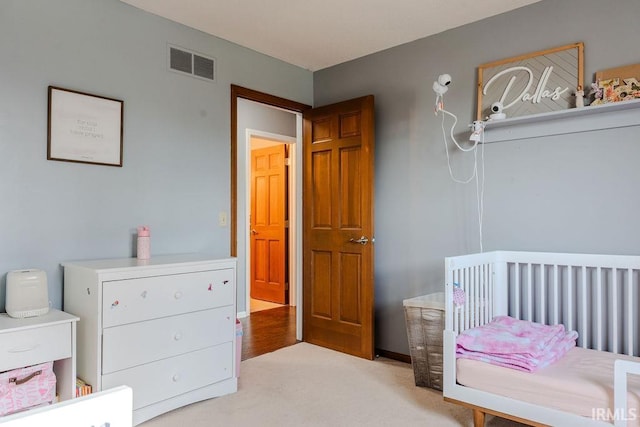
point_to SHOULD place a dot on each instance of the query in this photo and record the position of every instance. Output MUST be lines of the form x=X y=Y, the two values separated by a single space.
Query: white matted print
x=84 y=128
x=532 y=83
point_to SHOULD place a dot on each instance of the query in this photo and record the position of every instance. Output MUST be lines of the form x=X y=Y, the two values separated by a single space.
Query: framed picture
x=84 y=128
x=533 y=83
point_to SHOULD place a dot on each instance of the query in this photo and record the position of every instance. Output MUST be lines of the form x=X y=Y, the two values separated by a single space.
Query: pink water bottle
x=144 y=243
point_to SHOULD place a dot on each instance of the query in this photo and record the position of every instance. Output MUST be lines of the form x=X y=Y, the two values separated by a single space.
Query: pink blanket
x=516 y=344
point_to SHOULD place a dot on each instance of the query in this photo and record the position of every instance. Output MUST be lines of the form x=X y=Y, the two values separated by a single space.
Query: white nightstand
x=33 y=340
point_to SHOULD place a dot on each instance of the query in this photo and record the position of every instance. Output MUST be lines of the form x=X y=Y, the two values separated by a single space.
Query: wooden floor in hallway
x=268 y=330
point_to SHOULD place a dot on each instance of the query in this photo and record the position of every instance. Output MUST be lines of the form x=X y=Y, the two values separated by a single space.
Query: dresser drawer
x=134 y=300
x=32 y=346
x=166 y=378
x=166 y=337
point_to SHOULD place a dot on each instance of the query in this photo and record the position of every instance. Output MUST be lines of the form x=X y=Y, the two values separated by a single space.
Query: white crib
x=596 y=295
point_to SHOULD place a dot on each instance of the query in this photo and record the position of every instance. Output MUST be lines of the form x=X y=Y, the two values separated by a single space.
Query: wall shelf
x=574 y=120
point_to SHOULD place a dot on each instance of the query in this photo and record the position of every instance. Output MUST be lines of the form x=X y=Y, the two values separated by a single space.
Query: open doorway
x=243 y=126
x=272 y=219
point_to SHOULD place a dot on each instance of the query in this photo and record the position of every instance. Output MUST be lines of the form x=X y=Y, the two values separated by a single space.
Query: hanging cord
x=478 y=175
x=480 y=186
x=446 y=148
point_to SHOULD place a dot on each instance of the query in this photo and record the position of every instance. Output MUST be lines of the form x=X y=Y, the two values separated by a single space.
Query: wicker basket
x=425 y=322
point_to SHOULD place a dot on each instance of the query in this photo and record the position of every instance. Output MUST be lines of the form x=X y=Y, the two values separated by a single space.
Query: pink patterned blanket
x=516 y=344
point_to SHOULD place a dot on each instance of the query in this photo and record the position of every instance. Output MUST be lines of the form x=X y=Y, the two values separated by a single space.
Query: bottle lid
x=143 y=231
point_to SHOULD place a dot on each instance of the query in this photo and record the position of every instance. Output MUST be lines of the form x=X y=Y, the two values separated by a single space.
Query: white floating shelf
x=574 y=120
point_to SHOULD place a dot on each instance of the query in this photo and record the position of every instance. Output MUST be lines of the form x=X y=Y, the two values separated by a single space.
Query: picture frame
x=532 y=83
x=84 y=128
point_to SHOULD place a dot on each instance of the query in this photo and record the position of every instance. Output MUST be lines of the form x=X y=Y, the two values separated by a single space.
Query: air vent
x=191 y=63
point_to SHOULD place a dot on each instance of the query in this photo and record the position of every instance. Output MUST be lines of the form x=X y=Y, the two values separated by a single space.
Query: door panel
x=268 y=222
x=338 y=209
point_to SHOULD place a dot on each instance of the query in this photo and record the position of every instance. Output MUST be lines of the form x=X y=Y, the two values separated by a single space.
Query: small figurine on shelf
x=579 y=97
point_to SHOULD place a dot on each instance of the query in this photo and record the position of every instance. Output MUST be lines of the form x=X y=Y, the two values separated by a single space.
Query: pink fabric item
x=459 y=296
x=39 y=389
x=517 y=344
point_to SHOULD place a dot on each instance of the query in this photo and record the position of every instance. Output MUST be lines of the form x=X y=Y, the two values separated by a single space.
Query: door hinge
x=286 y=223
x=286 y=286
x=287 y=161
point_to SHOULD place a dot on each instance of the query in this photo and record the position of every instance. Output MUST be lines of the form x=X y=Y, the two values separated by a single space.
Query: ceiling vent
x=194 y=64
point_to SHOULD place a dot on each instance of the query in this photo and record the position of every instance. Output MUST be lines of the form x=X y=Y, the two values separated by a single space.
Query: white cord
x=480 y=179
x=480 y=186
x=446 y=149
x=455 y=121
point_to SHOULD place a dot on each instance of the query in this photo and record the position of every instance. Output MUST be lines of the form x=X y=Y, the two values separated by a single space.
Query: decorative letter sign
x=532 y=83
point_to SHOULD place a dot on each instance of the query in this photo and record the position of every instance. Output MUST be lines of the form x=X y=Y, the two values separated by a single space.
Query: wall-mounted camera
x=497 y=111
x=440 y=86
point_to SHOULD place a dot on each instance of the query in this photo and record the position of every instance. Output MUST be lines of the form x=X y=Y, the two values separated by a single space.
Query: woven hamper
x=425 y=323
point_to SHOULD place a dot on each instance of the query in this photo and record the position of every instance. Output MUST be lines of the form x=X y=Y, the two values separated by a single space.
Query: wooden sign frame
x=532 y=83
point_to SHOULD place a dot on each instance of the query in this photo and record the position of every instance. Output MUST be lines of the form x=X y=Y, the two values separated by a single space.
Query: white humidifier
x=27 y=293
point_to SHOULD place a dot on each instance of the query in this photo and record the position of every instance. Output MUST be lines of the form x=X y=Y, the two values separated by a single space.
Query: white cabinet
x=164 y=326
x=46 y=338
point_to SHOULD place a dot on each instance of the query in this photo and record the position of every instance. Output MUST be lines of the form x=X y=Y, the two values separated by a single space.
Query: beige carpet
x=306 y=385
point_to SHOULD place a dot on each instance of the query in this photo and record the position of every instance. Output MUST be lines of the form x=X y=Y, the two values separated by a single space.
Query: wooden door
x=268 y=222
x=338 y=227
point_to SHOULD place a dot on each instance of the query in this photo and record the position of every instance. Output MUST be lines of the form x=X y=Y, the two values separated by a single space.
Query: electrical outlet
x=222 y=219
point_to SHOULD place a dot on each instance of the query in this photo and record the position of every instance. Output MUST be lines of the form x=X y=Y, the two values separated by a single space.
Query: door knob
x=253 y=231
x=363 y=240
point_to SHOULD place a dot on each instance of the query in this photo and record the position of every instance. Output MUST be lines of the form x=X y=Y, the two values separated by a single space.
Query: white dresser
x=164 y=326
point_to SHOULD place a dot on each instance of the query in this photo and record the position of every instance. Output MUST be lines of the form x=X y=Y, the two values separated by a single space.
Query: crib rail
x=596 y=295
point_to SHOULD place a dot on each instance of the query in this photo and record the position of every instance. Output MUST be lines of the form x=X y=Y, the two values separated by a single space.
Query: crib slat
x=529 y=293
x=454 y=319
x=516 y=291
x=599 y=312
x=474 y=298
x=614 y=311
x=629 y=312
x=543 y=295
x=491 y=295
x=582 y=311
x=481 y=287
x=476 y=309
x=556 y=296
x=467 y=299
x=570 y=303
x=487 y=293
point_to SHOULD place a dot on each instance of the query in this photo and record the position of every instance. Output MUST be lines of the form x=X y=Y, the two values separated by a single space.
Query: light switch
x=222 y=219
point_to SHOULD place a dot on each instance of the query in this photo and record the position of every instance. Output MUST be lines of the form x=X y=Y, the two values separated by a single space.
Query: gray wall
x=574 y=193
x=176 y=169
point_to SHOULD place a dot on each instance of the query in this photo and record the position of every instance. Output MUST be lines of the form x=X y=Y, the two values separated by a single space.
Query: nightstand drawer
x=134 y=300
x=31 y=346
x=166 y=337
x=166 y=378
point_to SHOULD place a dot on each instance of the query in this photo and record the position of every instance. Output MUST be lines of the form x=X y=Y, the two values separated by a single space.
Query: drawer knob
x=176 y=378
x=177 y=336
x=177 y=295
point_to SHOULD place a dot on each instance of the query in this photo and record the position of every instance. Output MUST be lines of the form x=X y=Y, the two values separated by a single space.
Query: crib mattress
x=580 y=383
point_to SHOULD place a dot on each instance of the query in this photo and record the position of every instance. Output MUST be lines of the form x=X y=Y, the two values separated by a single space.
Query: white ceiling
x=316 y=34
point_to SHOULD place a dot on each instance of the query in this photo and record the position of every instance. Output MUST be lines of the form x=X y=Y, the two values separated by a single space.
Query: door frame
x=274 y=101
x=295 y=211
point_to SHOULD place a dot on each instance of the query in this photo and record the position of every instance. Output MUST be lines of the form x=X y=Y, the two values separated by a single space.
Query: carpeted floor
x=307 y=385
